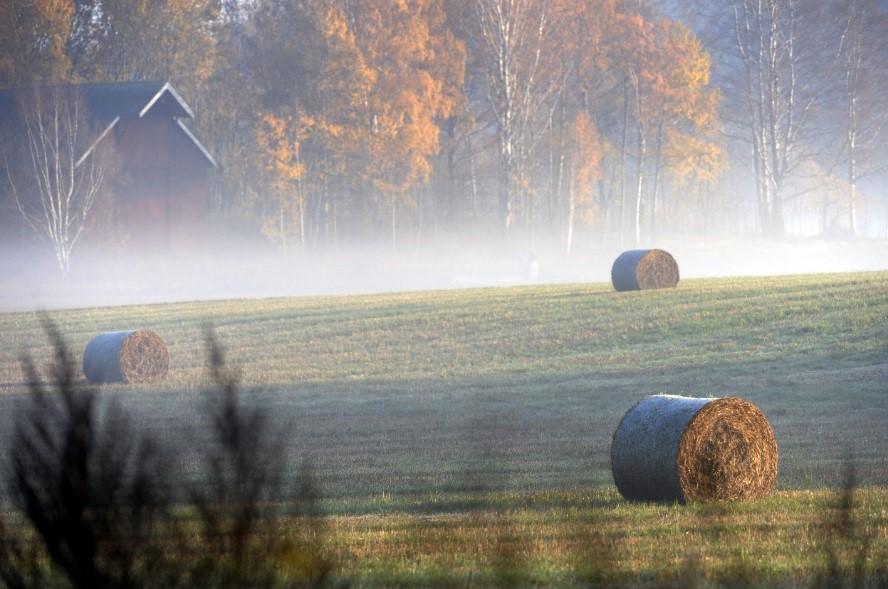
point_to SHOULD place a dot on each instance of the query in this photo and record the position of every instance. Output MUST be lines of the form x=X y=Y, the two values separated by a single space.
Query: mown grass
x=793 y=322
x=397 y=393
x=401 y=394
x=461 y=438
x=574 y=538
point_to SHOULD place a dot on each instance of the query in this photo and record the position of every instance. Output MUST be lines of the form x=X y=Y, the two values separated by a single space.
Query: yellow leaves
x=705 y=115
x=334 y=23
x=388 y=76
x=153 y=39
x=684 y=55
x=55 y=18
x=696 y=162
x=279 y=157
x=587 y=150
x=277 y=141
x=586 y=154
x=33 y=40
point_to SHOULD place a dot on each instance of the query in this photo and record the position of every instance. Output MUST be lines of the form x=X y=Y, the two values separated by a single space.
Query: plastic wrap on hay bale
x=643 y=270
x=126 y=356
x=672 y=448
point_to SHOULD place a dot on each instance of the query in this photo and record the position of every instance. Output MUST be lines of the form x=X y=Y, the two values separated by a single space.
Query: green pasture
x=519 y=388
x=460 y=438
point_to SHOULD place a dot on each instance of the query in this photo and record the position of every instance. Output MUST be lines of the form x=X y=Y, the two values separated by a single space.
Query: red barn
x=162 y=182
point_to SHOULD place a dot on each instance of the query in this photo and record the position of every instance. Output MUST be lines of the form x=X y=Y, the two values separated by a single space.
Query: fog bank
x=30 y=281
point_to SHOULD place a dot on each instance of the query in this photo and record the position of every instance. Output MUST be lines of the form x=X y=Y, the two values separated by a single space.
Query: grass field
x=578 y=538
x=404 y=403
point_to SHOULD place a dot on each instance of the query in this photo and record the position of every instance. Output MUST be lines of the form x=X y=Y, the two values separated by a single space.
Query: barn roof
x=109 y=102
x=133 y=99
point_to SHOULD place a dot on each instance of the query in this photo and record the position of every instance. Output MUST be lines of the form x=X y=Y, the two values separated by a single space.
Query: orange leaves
x=587 y=154
x=279 y=157
x=54 y=20
x=392 y=70
x=697 y=162
x=686 y=67
x=667 y=62
x=278 y=150
x=33 y=40
x=587 y=150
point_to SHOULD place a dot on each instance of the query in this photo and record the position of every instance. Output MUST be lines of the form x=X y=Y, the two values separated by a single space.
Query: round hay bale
x=644 y=270
x=126 y=356
x=672 y=448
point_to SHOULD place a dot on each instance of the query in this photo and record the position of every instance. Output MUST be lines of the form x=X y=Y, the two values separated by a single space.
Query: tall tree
x=579 y=53
x=386 y=75
x=696 y=164
x=778 y=94
x=665 y=77
x=418 y=85
x=33 y=38
x=127 y=40
x=278 y=151
x=59 y=175
x=283 y=51
x=684 y=106
x=511 y=39
x=631 y=47
x=861 y=54
x=586 y=154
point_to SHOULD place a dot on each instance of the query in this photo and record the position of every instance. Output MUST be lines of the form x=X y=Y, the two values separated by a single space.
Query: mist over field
x=29 y=280
x=318 y=293
x=268 y=148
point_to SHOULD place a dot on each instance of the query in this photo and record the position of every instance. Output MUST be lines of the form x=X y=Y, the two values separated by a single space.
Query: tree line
x=395 y=122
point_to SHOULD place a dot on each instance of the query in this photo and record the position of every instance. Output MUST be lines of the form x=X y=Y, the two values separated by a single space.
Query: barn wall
x=164 y=188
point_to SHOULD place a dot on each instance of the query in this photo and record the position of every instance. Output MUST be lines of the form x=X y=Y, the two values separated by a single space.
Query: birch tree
x=586 y=153
x=60 y=171
x=279 y=154
x=861 y=51
x=778 y=98
x=512 y=34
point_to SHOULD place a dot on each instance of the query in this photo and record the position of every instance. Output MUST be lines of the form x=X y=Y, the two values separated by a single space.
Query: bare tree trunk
x=512 y=32
x=655 y=190
x=394 y=224
x=767 y=39
x=451 y=205
x=63 y=169
x=639 y=186
x=334 y=213
x=571 y=214
x=852 y=46
x=642 y=153
x=622 y=215
x=852 y=165
x=556 y=210
x=504 y=185
x=302 y=240
x=418 y=194
x=473 y=179
x=282 y=228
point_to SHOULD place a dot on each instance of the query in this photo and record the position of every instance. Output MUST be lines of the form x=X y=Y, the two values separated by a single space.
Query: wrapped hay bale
x=643 y=270
x=672 y=448
x=126 y=356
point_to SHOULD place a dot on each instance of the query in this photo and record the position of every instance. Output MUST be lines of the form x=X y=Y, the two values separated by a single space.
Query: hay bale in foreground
x=126 y=356
x=672 y=448
x=644 y=270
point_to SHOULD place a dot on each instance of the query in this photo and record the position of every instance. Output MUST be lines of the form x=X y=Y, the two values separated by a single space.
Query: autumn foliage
x=338 y=121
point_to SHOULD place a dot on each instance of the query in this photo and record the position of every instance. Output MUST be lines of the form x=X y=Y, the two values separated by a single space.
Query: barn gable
x=110 y=102
x=163 y=178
